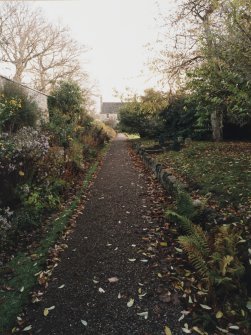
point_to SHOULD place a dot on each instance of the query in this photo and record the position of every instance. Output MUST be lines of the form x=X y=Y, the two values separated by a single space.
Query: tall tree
x=211 y=43
x=23 y=34
x=34 y=46
x=58 y=62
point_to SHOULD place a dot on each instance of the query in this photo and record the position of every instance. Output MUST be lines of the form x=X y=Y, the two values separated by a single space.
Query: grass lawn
x=222 y=171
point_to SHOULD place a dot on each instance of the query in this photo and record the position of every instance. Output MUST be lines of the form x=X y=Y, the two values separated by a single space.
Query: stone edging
x=165 y=177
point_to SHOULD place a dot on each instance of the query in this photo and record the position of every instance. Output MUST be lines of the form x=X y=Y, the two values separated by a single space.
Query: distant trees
x=36 y=47
x=142 y=114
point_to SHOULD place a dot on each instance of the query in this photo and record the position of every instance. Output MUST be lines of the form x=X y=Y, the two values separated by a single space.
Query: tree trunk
x=217 y=125
x=18 y=75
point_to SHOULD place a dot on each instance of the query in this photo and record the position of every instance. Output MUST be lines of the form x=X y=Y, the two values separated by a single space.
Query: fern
x=191 y=229
x=225 y=241
x=185 y=204
x=186 y=224
x=195 y=256
x=215 y=257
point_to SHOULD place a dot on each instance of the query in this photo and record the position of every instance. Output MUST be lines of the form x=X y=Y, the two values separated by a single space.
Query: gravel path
x=108 y=234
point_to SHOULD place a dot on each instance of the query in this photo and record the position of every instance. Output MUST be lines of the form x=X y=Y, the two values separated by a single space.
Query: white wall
x=39 y=97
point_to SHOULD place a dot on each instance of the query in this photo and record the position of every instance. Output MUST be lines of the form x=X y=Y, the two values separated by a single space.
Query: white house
x=109 y=111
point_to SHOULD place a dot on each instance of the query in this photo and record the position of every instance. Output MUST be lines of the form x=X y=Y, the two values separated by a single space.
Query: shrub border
x=27 y=269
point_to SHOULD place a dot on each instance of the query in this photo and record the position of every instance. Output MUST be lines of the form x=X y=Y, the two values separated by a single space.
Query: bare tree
x=60 y=61
x=35 y=47
x=178 y=45
x=22 y=32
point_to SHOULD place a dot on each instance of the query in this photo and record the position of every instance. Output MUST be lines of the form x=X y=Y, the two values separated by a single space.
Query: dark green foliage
x=68 y=98
x=142 y=115
x=185 y=205
x=179 y=117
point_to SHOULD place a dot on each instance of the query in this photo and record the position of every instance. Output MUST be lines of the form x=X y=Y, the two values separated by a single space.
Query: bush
x=68 y=98
x=5 y=224
x=75 y=153
x=16 y=109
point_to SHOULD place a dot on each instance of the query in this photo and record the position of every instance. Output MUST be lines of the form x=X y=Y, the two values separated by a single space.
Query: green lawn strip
x=219 y=168
x=132 y=136
x=25 y=268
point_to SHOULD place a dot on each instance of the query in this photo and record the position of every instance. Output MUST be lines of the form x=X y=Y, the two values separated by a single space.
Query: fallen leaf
x=46 y=312
x=84 y=323
x=130 y=303
x=190 y=300
x=144 y=314
x=167 y=331
x=222 y=330
x=248 y=305
x=119 y=295
x=141 y=295
x=22 y=289
x=205 y=306
x=199 y=331
x=101 y=290
x=113 y=280
x=62 y=286
x=144 y=260
x=132 y=259
x=163 y=244
x=219 y=315
x=234 y=327
x=26 y=329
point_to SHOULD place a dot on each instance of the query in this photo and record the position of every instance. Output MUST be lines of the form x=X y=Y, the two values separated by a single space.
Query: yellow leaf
x=163 y=244
x=21 y=173
x=130 y=303
x=219 y=315
x=167 y=331
x=46 y=311
x=224 y=263
x=199 y=331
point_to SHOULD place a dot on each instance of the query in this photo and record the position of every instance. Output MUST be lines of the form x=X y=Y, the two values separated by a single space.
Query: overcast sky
x=116 y=32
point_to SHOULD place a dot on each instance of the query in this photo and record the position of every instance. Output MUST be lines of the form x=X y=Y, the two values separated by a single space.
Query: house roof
x=111 y=107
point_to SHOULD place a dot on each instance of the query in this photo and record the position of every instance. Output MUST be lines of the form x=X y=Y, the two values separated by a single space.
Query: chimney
x=101 y=103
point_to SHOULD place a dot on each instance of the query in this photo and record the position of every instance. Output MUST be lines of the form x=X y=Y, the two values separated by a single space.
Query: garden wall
x=39 y=97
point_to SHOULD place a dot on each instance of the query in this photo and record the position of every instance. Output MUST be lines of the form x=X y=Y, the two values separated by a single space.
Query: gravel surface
x=108 y=234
